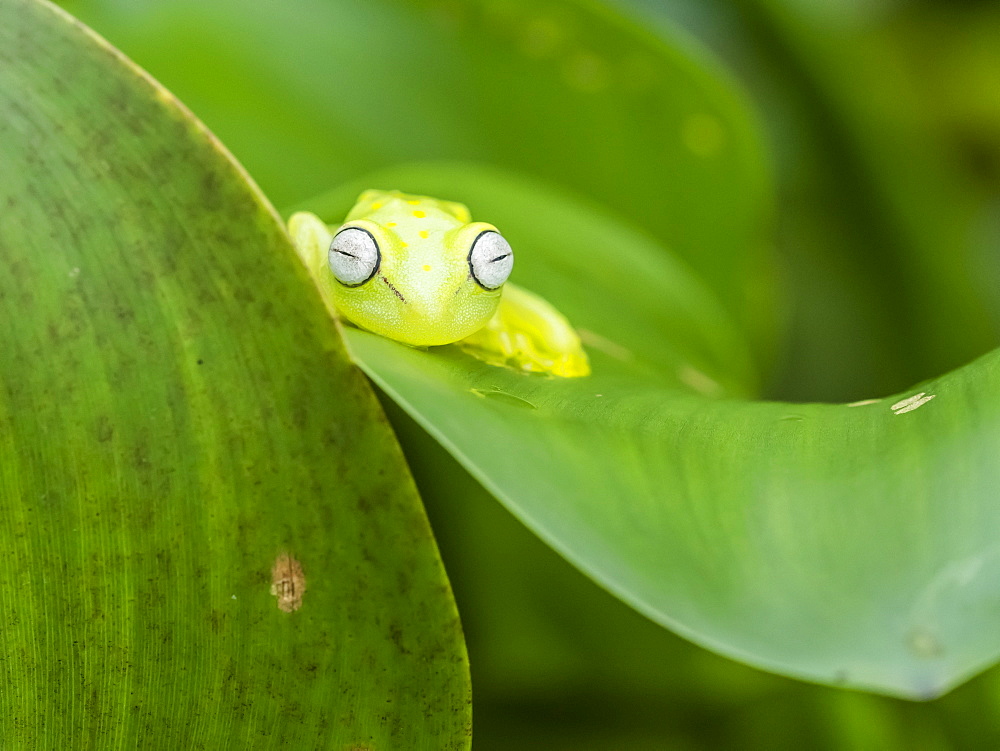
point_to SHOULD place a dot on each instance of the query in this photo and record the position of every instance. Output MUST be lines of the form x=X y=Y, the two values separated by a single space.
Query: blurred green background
x=881 y=128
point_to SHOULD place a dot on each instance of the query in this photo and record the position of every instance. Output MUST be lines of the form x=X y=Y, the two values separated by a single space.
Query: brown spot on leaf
x=288 y=583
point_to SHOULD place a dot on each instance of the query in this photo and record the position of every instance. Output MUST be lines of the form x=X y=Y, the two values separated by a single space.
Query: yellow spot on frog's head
x=426 y=267
x=376 y=206
x=390 y=224
x=424 y=234
x=414 y=203
x=405 y=245
x=419 y=214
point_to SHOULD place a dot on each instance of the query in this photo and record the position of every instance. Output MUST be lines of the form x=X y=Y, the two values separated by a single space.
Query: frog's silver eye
x=491 y=259
x=354 y=256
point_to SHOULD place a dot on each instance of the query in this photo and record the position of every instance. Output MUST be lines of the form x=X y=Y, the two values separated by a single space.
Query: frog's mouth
x=395 y=291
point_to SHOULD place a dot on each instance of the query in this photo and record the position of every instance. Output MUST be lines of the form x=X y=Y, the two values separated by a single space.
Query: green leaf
x=851 y=545
x=210 y=537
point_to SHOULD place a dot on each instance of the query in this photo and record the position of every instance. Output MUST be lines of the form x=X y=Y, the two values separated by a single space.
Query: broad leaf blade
x=851 y=545
x=211 y=538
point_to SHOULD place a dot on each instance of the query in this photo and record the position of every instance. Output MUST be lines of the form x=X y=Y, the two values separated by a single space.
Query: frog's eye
x=354 y=256
x=490 y=259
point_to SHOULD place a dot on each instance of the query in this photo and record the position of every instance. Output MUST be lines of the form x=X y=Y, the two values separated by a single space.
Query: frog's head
x=415 y=269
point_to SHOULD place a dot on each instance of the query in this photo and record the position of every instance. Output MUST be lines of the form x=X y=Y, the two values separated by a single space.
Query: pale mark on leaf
x=586 y=72
x=911 y=403
x=608 y=347
x=925 y=644
x=691 y=376
x=703 y=134
x=288 y=583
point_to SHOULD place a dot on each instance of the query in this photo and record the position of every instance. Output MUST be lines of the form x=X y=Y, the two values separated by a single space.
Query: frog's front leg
x=311 y=237
x=529 y=334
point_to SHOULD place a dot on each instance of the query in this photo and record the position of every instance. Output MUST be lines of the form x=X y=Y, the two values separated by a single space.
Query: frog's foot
x=529 y=334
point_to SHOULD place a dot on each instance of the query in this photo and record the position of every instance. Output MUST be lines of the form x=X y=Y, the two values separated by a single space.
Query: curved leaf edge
x=174 y=107
x=922 y=691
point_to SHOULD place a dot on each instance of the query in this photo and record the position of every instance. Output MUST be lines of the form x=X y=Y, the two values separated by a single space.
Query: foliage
x=850 y=545
x=196 y=556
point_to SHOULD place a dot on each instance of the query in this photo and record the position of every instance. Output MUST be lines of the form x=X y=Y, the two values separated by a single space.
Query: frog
x=418 y=270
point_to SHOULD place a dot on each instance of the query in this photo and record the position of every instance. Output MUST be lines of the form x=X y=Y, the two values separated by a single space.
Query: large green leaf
x=847 y=544
x=182 y=439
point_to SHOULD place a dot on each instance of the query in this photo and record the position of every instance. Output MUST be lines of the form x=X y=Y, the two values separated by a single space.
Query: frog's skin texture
x=418 y=270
